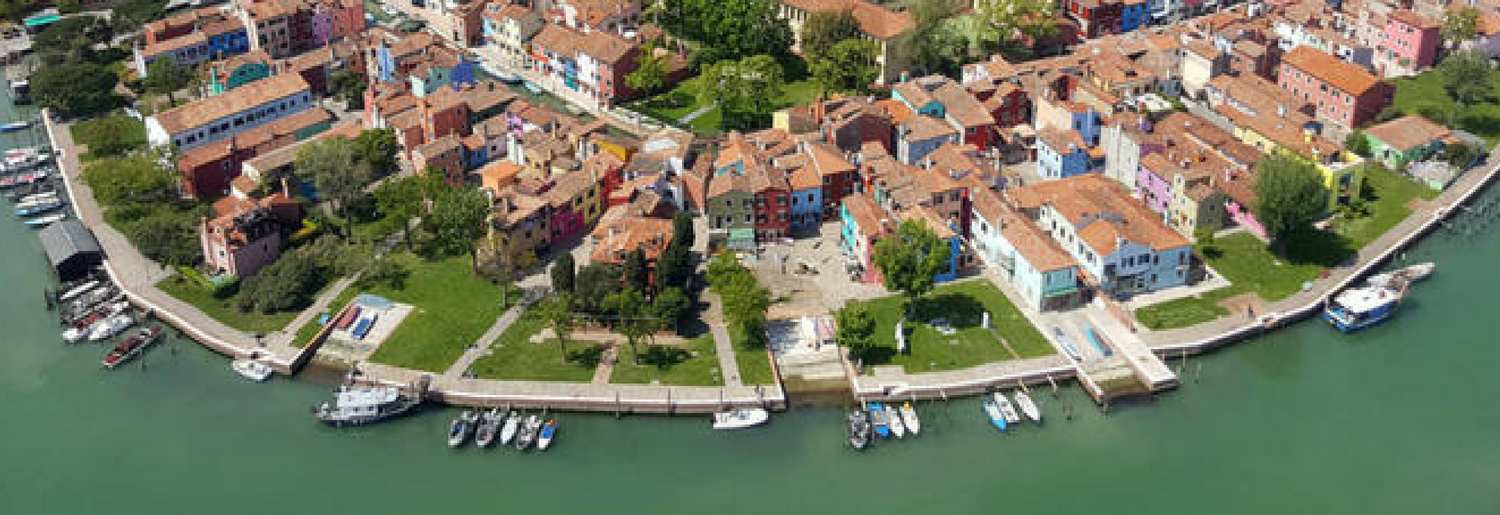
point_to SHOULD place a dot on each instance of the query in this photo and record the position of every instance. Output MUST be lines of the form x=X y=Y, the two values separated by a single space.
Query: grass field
x=1387 y=194
x=453 y=308
x=963 y=305
x=681 y=100
x=223 y=310
x=1425 y=94
x=515 y=357
x=695 y=364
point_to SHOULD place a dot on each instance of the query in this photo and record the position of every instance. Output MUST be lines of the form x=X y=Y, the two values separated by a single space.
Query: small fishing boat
x=111 y=326
x=909 y=417
x=997 y=418
x=1028 y=407
x=43 y=221
x=252 y=369
x=32 y=198
x=40 y=207
x=508 y=431
x=1006 y=408
x=877 y=419
x=858 y=432
x=461 y=428
x=549 y=431
x=1357 y=308
x=15 y=126
x=84 y=325
x=489 y=426
x=528 y=433
x=131 y=347
x=1410 y=274
x=893 y=418
x=77 y=291
x=359 y=405
x=740 y=418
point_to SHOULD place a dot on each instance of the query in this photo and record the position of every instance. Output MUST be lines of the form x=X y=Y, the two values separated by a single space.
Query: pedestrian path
x=606 y=365
x=729 y=367
x=688 y=118
x=482 y=346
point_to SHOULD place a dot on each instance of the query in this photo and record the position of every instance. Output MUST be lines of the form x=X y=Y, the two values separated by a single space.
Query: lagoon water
x=1400 y=418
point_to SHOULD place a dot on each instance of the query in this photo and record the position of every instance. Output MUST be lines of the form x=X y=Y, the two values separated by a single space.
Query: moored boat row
x=1003 y=414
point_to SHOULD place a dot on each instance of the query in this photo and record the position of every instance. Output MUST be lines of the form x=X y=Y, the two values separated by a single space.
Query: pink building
x=247 y=234
x=1344 y=93
x=1411 y=42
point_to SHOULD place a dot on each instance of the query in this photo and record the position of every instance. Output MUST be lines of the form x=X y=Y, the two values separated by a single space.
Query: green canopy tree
x=1009 y=21
x=670 y=306
x=563 y=272
x=593 y=283
x=824 y=29
x=929 y=45
x=682 y=229
x=378 y=149
x=910 y=258
x=745 y=304
x=557 y=310
x=348 y=87
x=137 y=179
x=75 y=89
x=1289 y=196
x=633 y=270
x=650 y=76
x=850 y=65
x=633 y=318
x=400 y=201
x=744 y=89
x=1460 y=25
x=1357 y=143
x=1466 y=77
x=332 y=166
x=165 y=77
x=674 y=266
x=457 y=220
x=856 y=329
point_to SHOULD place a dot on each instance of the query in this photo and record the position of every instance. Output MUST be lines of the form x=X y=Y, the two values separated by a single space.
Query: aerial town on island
x=685 y=206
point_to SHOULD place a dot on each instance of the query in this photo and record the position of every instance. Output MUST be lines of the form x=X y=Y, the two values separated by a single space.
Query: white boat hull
x=740 y=418
x=252 y=369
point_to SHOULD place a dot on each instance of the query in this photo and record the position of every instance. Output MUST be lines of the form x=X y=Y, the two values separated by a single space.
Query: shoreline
x=699 y=399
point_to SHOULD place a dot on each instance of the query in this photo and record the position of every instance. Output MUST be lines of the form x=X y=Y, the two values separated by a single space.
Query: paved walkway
x=606 y=365
x=688 y=118
x=729 y=367
x=481 y=347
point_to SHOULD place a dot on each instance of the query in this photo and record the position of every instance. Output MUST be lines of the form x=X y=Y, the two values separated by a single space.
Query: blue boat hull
x=1349 y=327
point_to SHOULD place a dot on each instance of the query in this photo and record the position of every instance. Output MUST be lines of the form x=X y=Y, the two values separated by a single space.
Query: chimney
x=1281 y=110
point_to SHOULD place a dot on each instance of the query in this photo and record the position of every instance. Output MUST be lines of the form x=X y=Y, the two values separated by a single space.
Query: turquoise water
x=1396 y=419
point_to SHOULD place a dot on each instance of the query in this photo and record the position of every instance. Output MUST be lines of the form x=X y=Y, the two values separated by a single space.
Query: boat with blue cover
x=1357 y=308
x=878 y=419
x=997 y=418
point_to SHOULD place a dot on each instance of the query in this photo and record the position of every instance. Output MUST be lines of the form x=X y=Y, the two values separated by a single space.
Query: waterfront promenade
x=137 y=277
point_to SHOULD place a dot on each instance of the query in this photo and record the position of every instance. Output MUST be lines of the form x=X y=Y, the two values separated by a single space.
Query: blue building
x=1133 y=15
x=807 y=199
x=1062 y=153
x=229 y=39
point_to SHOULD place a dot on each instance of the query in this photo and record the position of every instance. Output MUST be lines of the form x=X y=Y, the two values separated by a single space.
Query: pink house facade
x=1411 y=42
x=1244 y=216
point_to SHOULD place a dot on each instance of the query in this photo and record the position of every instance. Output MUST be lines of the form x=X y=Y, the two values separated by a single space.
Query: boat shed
x=71 y=249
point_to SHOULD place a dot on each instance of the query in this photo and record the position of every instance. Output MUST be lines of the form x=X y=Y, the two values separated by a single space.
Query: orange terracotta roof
x=1408 y=132
x=867 y=215
x=237 y=100
x=1346 y=76
x=1084 y=200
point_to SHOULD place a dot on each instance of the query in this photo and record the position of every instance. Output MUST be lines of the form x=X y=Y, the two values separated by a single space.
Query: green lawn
x=1386 y=196
x=754 y=362
x=1186 y=311
x=963 y=305
x=682 y=99
x=1424 y=94
x=120 y=132
x=515 y=357
x=1250 y=267
x=696 y=364
x=223 y=310
x=453 y=308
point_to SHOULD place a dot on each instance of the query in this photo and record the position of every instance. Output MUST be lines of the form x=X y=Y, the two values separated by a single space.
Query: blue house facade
x=1133 y=15
x=1059 y=155
x=807 y=207
x=229 y=43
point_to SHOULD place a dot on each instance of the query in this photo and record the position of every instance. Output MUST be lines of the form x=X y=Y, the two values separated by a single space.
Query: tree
x=633 y=270
x=1357 y=143
x=729 y=29
x=745 y=303
x=910 y=258
x=631 y=318
x=856 y=329
x=593 y=283
x=1289 y=196
x=670 y=306
x=164 y=77
x=70 y=40
x=1466 y=76
x=1009 y=21
x=558 y=312
x=849 y=66
x=135 y=179
x=650 y=75
x=166 y=237
x=562 y=274
x=378 y=149
x=457 y=220
x=75 y=89
x=682 y=229
x=399 y=201
x=332 y=166
x=1459 y=26
x=929 y=45
x=349 y=87
x=824 y=29
x=742 y=89
x=674 y=266
x=131 y=14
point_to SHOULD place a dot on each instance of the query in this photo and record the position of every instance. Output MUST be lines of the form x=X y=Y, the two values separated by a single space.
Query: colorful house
x=507 y=29
x=1410 y=43
x=1035 y=265
x=1406 y=140
x=864 y=223
x=246 y=234
x=238 y=71
x=592 y=66
x=575 y=203
x=212 y=119
x=1344 y=93
x=1061 y=154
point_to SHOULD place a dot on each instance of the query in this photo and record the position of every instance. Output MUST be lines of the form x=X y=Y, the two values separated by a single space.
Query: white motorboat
x=461 y=428
x=893 y=417
x=75 y=292
x=740 y=418
x=1028 y=407
x=489 y=426
x=111 y=326
x=252 y=369
x=909 y=417
x=1410 y=274
x=508 y=431
x=528 y=433
x=1006 y=408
